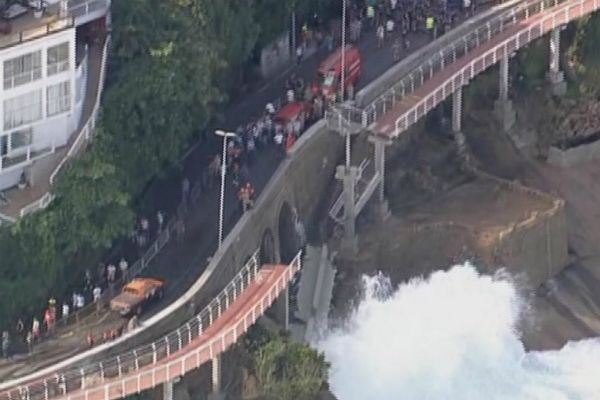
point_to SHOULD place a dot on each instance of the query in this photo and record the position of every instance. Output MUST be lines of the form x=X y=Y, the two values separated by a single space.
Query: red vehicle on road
x=330 y=72
x=295 y=111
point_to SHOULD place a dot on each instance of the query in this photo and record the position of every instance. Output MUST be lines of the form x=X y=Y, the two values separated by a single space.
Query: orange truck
x=330 y=71
x=136 y=295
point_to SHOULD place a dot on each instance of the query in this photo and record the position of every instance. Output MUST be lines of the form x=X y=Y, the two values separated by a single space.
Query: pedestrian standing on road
x=289 y=143
x=396 y=50
x=80 y=301
x=180 y=229
x=5 y=345
x=371 y=15
x=278 y=139
x=65 y=311
x=101 y=272
x=29 y=341
x=160 y=220
x=185 y=190
x=111 y=271
x=270 y=109
x=290 y=96
x=90 y=339
x=145 y=227
x=389 y=26
x=299 y=53
x=133 y=323
x=123 y=267
x=430 y=26
x=35 y=329
x=97 y=292
x=20 y=327
x=48 y=320
x=380 y=36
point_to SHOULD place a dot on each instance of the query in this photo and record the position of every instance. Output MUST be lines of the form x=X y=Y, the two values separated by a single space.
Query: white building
x=52 y=68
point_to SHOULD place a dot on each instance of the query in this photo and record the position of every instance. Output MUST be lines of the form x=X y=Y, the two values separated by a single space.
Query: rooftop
x=19 y=24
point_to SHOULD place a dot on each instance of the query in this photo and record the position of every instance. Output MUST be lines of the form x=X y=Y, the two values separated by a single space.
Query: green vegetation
x=172 y=64
x=290 y=370
x=583 y=54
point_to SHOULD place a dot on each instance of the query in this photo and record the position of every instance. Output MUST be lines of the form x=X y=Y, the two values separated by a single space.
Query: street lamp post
x=343 y=77
x=224 y=135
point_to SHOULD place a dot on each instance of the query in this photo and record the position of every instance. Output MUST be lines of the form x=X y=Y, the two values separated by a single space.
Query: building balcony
x=21 y=24
x=84 y=11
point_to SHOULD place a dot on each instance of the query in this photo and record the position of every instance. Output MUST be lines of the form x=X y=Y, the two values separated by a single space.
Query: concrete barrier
x=574 y=155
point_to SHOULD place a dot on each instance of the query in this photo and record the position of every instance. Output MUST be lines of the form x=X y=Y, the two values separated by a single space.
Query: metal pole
x=343 y=79
x=294 y=31
x=222 y=197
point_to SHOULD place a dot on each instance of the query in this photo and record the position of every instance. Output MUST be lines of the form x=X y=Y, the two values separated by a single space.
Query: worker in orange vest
x=246 y=196
x=289 y=143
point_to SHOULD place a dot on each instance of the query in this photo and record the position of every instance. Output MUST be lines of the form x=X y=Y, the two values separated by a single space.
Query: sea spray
x=452 y=336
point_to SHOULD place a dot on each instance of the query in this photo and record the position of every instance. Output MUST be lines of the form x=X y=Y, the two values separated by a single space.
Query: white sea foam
x=451 y=336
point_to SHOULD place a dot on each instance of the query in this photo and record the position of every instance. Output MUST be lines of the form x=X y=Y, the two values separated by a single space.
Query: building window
x=21 y=138
x=3 y=145
x=22 y=109
x=59 y=98
x=23 y=69
x=58 y=58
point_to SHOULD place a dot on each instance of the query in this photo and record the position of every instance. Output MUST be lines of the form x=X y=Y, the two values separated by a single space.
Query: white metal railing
x=147 y=366
x=571 y=10
x=87 y=131
x=445 y=58
x=79 y=8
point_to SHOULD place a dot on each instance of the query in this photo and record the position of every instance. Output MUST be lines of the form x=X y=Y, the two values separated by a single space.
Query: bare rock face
x=577 y=119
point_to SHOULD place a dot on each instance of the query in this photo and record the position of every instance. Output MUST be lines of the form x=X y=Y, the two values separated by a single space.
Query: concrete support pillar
x=555 y=75
x=282 y=309
x=459 y=136
x=168 y=390
x=349 y=176
x=216 y=380
x=503 y=108
x=379 y=145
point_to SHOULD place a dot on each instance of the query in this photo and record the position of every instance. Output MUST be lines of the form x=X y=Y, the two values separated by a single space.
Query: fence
x=113 y=372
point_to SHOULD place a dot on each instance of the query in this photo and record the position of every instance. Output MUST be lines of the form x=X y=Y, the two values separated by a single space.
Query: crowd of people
x=29 y=331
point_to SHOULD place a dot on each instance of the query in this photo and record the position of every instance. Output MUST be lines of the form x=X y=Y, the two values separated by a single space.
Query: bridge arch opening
x=268 y=254
x=289 y=243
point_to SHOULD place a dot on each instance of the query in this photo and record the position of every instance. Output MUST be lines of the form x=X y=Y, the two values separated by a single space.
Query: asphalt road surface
x=181 y=263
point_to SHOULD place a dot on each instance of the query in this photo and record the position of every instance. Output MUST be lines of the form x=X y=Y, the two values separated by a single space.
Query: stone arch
x=268 y=251
x=287 y=234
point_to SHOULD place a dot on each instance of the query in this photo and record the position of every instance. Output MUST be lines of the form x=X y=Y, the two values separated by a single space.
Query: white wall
x=57 y=128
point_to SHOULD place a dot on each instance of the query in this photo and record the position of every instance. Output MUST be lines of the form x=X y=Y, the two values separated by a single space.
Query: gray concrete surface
x=574 y=155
